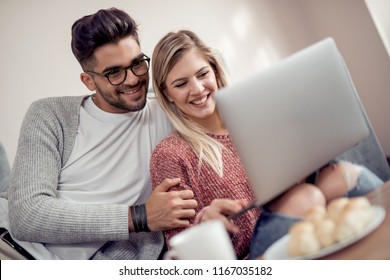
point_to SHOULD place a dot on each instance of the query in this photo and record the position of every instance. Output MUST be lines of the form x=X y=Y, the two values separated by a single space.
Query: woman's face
x=191 y=85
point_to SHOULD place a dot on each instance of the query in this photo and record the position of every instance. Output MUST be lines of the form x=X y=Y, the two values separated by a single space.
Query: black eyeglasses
x=117 y=76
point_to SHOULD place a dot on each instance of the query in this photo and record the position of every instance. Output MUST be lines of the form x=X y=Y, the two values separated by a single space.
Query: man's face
x=128 y=96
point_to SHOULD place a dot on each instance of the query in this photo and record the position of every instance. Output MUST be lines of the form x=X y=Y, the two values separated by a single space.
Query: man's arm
x=35 y=212
x=170 y=209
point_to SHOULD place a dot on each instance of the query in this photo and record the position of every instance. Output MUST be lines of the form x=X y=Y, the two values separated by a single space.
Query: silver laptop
x=291 y=119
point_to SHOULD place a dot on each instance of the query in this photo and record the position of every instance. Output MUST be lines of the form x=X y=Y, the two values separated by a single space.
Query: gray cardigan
x=45 y=143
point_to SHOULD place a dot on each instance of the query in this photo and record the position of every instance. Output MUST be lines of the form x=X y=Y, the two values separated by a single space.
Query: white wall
x=36 y=60
x=379 y=10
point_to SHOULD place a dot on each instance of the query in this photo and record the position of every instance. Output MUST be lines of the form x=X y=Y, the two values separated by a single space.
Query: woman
x=186 y=76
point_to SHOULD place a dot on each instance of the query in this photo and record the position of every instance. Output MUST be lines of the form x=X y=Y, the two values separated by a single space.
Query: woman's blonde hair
x=168 y=51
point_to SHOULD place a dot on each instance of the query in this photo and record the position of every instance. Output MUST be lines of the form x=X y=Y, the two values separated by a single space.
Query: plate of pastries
x=325 y=230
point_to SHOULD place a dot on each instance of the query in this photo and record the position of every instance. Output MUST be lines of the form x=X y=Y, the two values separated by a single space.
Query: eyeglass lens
x=118 y=76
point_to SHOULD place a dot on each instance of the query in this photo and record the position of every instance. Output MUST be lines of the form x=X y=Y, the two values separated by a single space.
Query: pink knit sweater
x=173 y=158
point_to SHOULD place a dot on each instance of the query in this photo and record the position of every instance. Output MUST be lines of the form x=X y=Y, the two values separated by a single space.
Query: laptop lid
x=291 y=119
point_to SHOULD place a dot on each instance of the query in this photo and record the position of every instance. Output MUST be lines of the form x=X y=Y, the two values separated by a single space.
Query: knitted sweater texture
x=174 y=157
x=46 y=141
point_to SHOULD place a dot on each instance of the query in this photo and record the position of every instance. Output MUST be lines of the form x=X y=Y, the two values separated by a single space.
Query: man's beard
x=117 y=102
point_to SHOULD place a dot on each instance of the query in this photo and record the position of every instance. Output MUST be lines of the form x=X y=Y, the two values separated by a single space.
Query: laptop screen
x=291 y=119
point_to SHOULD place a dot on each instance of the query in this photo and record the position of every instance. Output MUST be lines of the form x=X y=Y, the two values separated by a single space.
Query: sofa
x=5 y=169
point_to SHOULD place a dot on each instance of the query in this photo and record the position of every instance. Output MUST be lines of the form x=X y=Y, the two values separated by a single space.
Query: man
x=80 y=184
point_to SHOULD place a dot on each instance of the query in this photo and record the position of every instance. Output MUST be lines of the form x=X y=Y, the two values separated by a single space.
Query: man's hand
x=169 y=209
x=220 y=209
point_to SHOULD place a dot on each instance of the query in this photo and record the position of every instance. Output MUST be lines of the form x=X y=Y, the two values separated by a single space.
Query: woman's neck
x=214 y=125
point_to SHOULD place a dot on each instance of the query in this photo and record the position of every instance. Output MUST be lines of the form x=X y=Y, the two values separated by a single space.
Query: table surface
x=376 y=245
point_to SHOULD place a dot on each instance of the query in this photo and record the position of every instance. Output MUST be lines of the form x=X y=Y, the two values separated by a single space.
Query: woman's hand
x=220 y=209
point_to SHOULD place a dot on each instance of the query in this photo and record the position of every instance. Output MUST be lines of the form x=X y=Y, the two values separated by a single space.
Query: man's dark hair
x=93 y=31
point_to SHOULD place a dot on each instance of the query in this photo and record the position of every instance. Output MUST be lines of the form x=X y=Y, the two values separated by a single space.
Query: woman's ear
x=88 y=81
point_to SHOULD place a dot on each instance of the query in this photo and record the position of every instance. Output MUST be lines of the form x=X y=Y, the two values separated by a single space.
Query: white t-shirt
x=109 y=164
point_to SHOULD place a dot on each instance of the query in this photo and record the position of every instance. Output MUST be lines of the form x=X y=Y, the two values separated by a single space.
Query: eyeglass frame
x=126 y=68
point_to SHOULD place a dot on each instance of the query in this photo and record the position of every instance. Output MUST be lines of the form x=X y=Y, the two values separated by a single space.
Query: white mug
x=205 y=241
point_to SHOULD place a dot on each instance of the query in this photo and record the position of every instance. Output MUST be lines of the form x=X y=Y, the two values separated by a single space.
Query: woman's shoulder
x=174 y=143
x=170 y=158
x=172 y=148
